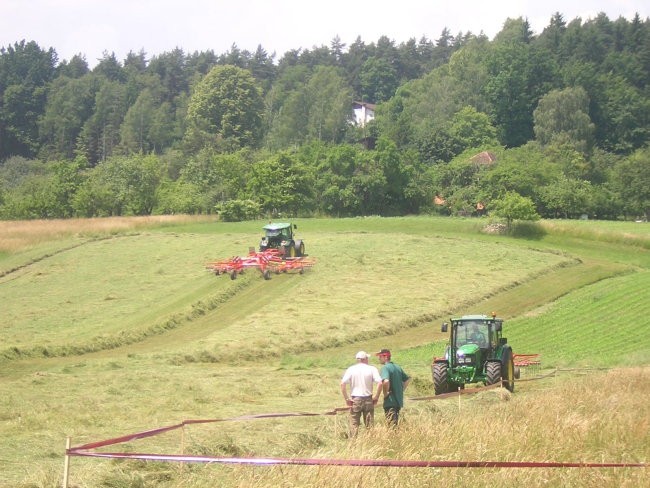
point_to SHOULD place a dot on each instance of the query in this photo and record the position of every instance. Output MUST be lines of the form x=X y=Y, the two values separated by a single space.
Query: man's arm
x=380 y=388
x=344 y=390
x=386 y=387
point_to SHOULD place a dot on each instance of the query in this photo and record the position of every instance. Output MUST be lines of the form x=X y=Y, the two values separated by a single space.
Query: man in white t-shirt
x=361 y=401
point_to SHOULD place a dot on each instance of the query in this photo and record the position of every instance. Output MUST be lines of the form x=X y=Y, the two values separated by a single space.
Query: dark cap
x=383 y=352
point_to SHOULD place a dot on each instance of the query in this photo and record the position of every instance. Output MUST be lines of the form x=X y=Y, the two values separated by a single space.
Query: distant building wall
x=363 y=113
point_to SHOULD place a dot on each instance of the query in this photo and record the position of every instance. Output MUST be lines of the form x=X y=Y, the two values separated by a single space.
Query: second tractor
x=477 y=353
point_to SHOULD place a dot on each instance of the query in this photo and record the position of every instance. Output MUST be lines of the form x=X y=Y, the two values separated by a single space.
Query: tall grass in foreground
x=604 y=417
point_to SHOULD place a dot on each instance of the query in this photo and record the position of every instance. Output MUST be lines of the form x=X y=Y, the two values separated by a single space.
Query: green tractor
x=477 y=353
x=281 y=236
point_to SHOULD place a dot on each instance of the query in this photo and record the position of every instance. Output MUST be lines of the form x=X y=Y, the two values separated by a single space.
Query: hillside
x=116 y=331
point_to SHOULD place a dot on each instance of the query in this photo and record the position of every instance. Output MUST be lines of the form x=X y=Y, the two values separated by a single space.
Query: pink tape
x=350 y=462
x=87 y=450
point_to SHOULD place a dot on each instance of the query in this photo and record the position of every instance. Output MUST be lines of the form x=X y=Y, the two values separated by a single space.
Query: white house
x=363 y=112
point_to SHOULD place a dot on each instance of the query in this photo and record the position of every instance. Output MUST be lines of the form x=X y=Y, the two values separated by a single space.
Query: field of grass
x=112 y=326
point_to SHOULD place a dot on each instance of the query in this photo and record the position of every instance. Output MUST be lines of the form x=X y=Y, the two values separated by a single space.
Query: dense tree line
x=463 y=124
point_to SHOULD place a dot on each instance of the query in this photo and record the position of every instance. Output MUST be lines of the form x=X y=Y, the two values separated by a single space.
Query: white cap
x=362 y=355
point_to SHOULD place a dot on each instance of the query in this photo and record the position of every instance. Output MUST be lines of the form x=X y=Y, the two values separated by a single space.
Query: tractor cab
x=280 y=236
x=479 y=330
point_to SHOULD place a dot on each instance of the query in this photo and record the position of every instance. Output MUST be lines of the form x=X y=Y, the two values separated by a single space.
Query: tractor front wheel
x=493 y=373
x=439 y=371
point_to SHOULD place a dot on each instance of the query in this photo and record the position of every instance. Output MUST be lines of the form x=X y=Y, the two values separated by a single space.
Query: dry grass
x=629 y=233
x=600 y=417
x=17 y=235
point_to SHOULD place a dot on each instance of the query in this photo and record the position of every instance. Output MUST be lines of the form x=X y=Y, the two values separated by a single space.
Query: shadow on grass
x=527 y=230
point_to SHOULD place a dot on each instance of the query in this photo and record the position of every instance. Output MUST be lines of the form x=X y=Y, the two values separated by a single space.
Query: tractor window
x=472 y=333
x=272 y=232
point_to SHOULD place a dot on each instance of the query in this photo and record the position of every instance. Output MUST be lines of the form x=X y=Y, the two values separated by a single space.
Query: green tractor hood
x=467 y=350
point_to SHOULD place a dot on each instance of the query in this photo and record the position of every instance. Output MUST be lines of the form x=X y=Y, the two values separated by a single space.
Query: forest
x=525 y=125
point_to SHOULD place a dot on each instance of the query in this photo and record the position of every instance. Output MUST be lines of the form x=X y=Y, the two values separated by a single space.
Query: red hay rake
x=267 y=262
x=530 y=363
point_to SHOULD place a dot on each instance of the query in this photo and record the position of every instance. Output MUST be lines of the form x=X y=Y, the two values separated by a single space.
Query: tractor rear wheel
x=291 y=251
x=508 y=370
x=440 y=375
x=493 y=373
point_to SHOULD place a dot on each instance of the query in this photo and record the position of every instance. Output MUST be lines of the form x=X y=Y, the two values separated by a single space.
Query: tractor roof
x=475 y=317
x=276 y=226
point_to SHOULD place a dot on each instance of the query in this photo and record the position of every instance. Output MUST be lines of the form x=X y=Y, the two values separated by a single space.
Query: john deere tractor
x=281 y=236
x=477 y=353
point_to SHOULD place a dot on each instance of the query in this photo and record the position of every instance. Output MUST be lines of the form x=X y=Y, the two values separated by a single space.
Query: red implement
x=293 y=264
x=527 y=359
x=266 y=262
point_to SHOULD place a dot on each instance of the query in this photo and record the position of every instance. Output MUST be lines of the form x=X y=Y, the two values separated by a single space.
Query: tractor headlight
x=462 y=359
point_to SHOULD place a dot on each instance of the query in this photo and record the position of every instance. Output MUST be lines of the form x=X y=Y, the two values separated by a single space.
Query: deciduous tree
x=225 y=110
x=70 y=103
x=562 y=116
x=512 y=206
x=633 y=183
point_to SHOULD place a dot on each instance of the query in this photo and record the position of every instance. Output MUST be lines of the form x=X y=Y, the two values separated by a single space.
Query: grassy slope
x=381 y=286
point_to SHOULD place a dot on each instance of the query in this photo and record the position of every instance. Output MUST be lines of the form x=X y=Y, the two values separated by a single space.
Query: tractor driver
x=477 y=337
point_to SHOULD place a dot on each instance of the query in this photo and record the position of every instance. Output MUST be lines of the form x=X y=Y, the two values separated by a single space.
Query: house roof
x=370 y=106
x=485 y=157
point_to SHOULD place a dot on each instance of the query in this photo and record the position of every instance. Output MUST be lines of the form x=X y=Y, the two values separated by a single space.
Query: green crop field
x=115 y=326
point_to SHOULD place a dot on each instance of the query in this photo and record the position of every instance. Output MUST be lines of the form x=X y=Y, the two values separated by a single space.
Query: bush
x=238 y=210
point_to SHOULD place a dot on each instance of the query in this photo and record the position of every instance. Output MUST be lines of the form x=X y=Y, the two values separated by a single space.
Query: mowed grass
x=102 y=289
x=216 y=348
x=110 y=292
x=362 y=288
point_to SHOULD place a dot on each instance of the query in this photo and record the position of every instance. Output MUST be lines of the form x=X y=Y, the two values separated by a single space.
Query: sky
x=92 y=27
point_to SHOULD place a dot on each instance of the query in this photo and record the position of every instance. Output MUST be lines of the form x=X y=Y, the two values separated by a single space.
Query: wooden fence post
x=66 y=463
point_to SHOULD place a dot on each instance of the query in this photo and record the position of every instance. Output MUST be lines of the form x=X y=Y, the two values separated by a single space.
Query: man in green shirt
x=394 y=383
